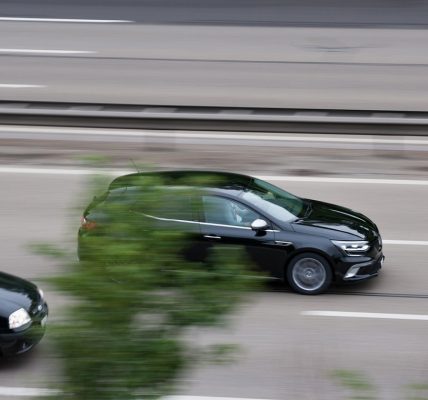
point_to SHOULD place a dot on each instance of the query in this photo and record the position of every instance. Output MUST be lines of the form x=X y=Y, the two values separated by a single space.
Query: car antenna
x=135 y=165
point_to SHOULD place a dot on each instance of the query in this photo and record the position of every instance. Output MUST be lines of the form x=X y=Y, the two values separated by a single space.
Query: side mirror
x=259 y=225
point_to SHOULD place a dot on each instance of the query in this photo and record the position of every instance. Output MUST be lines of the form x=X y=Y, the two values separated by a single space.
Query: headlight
x=352 y=248
x=18 y=319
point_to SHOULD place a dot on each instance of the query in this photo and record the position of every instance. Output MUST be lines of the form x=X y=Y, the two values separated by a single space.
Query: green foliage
x=417 y=391
x=136 y=296
x=222 y=353
x=361 y=389
x=356 y=383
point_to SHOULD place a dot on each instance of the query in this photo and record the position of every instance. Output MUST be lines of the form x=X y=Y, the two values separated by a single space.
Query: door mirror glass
x=259 y=225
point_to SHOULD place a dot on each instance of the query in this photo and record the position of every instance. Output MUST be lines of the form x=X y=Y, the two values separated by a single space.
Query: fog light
x=352 y=272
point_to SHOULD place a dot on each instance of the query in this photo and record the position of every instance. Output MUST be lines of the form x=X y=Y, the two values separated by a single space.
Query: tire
x=309 y=273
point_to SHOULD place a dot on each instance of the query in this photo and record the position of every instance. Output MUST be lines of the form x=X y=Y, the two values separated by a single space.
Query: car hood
x=336 y=222
x=15 y=293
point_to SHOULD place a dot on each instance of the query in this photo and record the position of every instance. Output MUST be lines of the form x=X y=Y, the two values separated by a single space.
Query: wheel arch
x=303 y=250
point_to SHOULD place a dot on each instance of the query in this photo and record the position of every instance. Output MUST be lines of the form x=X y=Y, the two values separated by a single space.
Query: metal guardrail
x=214 y=118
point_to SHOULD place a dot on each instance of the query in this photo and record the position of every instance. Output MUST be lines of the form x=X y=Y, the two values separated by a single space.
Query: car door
x=176 y=211
x=225 y=221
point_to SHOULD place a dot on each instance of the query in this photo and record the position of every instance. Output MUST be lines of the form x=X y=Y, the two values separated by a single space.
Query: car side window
x=170 y=205
x=176 y=207
x=220 y=210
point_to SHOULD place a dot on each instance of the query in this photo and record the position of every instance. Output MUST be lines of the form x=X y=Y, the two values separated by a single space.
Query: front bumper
x=18 y=342
x=353 y=271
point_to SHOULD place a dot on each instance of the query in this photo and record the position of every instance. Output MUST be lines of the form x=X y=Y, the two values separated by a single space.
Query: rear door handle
x=212 y=237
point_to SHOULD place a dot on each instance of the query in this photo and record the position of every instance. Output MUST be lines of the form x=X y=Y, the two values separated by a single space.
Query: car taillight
x=87 y=224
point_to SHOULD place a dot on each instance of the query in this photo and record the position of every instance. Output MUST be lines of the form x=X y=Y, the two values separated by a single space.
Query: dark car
x=307 y=243
x=23 y=315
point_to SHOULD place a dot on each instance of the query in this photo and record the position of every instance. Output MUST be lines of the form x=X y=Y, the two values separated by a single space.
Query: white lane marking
x=19 y=86
x=55 y=171
x=36 y=392
x=322 y=179
x=407 y=242
x=77 y=20
x=206 y=398
x=349 y=314
x=45 y=51
x=285 y=178
x=26 y=392
x=210 y=135
x=282 y=138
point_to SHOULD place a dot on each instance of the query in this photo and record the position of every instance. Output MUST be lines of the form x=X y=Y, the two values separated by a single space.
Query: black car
x=23 y=315
x=307 y=243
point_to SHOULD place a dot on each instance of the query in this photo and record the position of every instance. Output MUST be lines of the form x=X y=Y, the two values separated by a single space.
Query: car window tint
x=171 y=203
x=219 y=210
x=292 y=206
x=268 y=206
x=123 y=196
x=175 y=206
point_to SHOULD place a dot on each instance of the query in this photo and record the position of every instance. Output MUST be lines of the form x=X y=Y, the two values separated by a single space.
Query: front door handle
x=282 y=243
x=212 y=237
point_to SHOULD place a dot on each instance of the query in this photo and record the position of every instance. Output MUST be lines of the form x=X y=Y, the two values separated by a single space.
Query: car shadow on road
x=367 y=288
x=20 y=361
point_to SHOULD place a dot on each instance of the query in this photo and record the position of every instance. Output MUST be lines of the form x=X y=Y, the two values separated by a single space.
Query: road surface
x=270 y=66
x=286 y=354
x=233 y=12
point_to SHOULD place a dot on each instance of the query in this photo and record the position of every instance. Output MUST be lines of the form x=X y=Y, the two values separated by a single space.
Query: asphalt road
x=310 y=67
x=285 y=355
x=236 y=12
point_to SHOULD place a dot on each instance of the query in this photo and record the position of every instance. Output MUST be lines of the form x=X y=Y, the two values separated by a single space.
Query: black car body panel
x=17 y=293
x=339 y=219
x=304 y=226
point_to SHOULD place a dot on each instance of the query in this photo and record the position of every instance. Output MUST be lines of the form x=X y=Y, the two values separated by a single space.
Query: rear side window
x=168 y=202
x=176 y=206
x=123 y=196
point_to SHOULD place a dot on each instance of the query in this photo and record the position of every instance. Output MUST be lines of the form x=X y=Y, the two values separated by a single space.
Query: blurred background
x=327 y=99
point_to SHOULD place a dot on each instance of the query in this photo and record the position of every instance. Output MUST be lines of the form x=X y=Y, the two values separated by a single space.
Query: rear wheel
x=309 y=273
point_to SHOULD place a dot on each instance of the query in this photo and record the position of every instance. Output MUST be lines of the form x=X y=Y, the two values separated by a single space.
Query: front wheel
x=309 y=273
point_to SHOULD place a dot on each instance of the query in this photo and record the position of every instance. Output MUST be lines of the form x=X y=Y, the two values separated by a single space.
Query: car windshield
x=275 y=201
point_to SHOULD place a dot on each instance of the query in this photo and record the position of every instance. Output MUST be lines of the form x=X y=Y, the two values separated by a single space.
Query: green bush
x=135 y=297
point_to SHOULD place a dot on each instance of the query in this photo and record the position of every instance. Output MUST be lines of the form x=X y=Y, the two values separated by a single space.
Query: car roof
x=226 y=181
x=216 y=182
